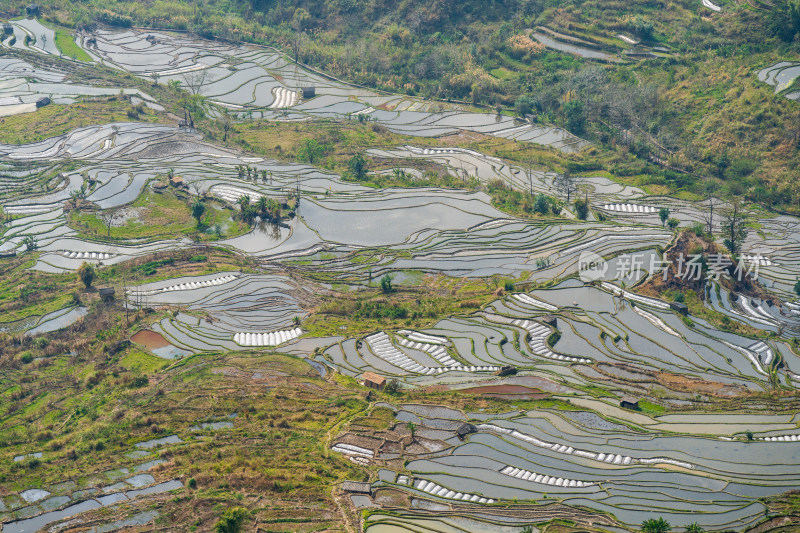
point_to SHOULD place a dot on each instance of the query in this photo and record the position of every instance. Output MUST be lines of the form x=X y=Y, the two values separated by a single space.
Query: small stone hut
x=464 y=430
x=627 y=402
x=106 y=293
x=680 y=307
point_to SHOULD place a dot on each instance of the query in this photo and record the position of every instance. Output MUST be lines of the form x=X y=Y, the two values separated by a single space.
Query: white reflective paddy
x=629 y=472
x=253 y=81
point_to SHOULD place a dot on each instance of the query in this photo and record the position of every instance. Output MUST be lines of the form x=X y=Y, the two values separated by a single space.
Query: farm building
x=464 y=430
x=374 y=381
x=627 y=402
x=680 y=307
x=106 y=293
x=550 y=320
x=507 y=370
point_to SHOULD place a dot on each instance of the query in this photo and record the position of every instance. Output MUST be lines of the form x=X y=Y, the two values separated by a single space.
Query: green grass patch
x=67 y=45
x=651 y=408
x=54 y=120
x=503 y=73
x=24 y=293
x=143 y=362
x=59 y=301
x=155 y=215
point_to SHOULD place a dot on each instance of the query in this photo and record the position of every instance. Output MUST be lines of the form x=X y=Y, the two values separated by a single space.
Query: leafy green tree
x=785 y=21
x=262 y=205
x=694 y=528
x=300 y=19
x=541 y=204
x=246 y=210
x=524 y=105
x=386 y=284
x=232 y=520
x=581 y=209
x=273 y=208
x=358 y=166
x=673 y=223
x=797 y=287
x=87 y=274
x=663 y=214
x=575 y=116
x=310 y=151
x=393 y=387
x=198 y=209
x=655 y=525
x=192 y=105
x=30 y=242
x=642 y=27
x=243 y=202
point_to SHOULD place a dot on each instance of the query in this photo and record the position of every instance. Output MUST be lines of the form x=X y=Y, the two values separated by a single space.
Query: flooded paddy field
x=239 y=312
x=611 y=332
x=629 y=472
x=261 y=81
x=574 y=399
x=781 y=75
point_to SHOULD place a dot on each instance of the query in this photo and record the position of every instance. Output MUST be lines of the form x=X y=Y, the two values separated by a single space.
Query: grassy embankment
x=155 y=215
x=53 y=120
x=709 y=109
x=67 y=45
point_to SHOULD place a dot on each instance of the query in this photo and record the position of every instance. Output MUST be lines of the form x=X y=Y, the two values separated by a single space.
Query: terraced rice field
x=565 y=339
x=616 y=329
x=23 y=84
x=781 y=75
x=261 y=82
x=630 y=472
x=38 y=509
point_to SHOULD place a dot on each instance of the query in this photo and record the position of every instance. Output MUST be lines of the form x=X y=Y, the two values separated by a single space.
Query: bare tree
x=125 y=298
x=195 y=79
x=711 y=188
x=734 y=227
x=225 y=122
x=710 y=217
x=530 y=177
x=566 y=184
x=299 y=21
x=108 y=218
